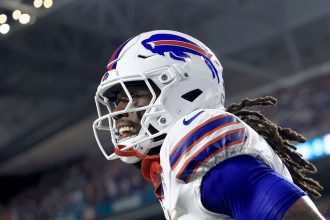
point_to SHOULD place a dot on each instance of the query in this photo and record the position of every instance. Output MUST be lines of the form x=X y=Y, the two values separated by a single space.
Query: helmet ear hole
x=192 y=95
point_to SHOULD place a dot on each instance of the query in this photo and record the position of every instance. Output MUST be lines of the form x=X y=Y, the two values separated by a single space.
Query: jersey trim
x=196 y=135
x=204 y=143
x=209 y=150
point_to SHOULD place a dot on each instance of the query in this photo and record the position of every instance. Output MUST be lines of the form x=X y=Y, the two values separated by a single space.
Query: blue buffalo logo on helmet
x=178 y=49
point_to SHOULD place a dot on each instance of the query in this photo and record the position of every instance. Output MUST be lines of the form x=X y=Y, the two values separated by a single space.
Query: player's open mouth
x=126 y=131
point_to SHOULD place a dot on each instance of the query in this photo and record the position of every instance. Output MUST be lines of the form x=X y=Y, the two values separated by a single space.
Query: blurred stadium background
x=54 y=53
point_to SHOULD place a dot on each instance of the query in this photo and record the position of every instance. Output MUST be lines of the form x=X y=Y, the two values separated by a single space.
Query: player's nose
x=119 y=116
x=120 y=107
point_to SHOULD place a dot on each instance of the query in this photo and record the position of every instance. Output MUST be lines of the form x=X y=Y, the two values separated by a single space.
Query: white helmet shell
x=187 y=73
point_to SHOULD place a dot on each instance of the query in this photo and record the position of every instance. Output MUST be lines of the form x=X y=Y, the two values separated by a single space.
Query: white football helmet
x=187 y=73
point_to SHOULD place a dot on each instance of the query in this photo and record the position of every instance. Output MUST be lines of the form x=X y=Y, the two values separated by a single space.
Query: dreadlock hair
x=279 y=139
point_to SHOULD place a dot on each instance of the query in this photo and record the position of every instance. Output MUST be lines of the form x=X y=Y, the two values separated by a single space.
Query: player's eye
x=135 y=96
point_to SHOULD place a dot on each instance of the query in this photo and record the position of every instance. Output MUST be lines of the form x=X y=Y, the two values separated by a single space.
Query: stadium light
x=37 y=3
x=16 y=14
x=3 y=18
x=315 y=148
x=327 y=143
x=4 y=28
x=24 y=18
x=48 y=3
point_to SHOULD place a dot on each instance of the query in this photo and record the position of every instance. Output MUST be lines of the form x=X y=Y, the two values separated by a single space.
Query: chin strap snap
x=150 y=167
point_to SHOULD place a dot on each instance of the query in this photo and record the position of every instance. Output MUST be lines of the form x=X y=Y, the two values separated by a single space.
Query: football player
x=164 y=97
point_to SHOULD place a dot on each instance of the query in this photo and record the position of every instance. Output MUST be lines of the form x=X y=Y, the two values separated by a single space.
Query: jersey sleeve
x=245 y=188
x=207 y=141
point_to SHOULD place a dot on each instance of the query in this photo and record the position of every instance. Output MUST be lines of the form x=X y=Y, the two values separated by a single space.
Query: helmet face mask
x=177 y=80
x=137 y=117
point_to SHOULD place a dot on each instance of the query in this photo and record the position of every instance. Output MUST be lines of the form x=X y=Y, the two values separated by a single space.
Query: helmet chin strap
x=129 y=152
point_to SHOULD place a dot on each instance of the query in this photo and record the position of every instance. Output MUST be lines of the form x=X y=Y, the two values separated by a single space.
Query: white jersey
x=197 y=143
